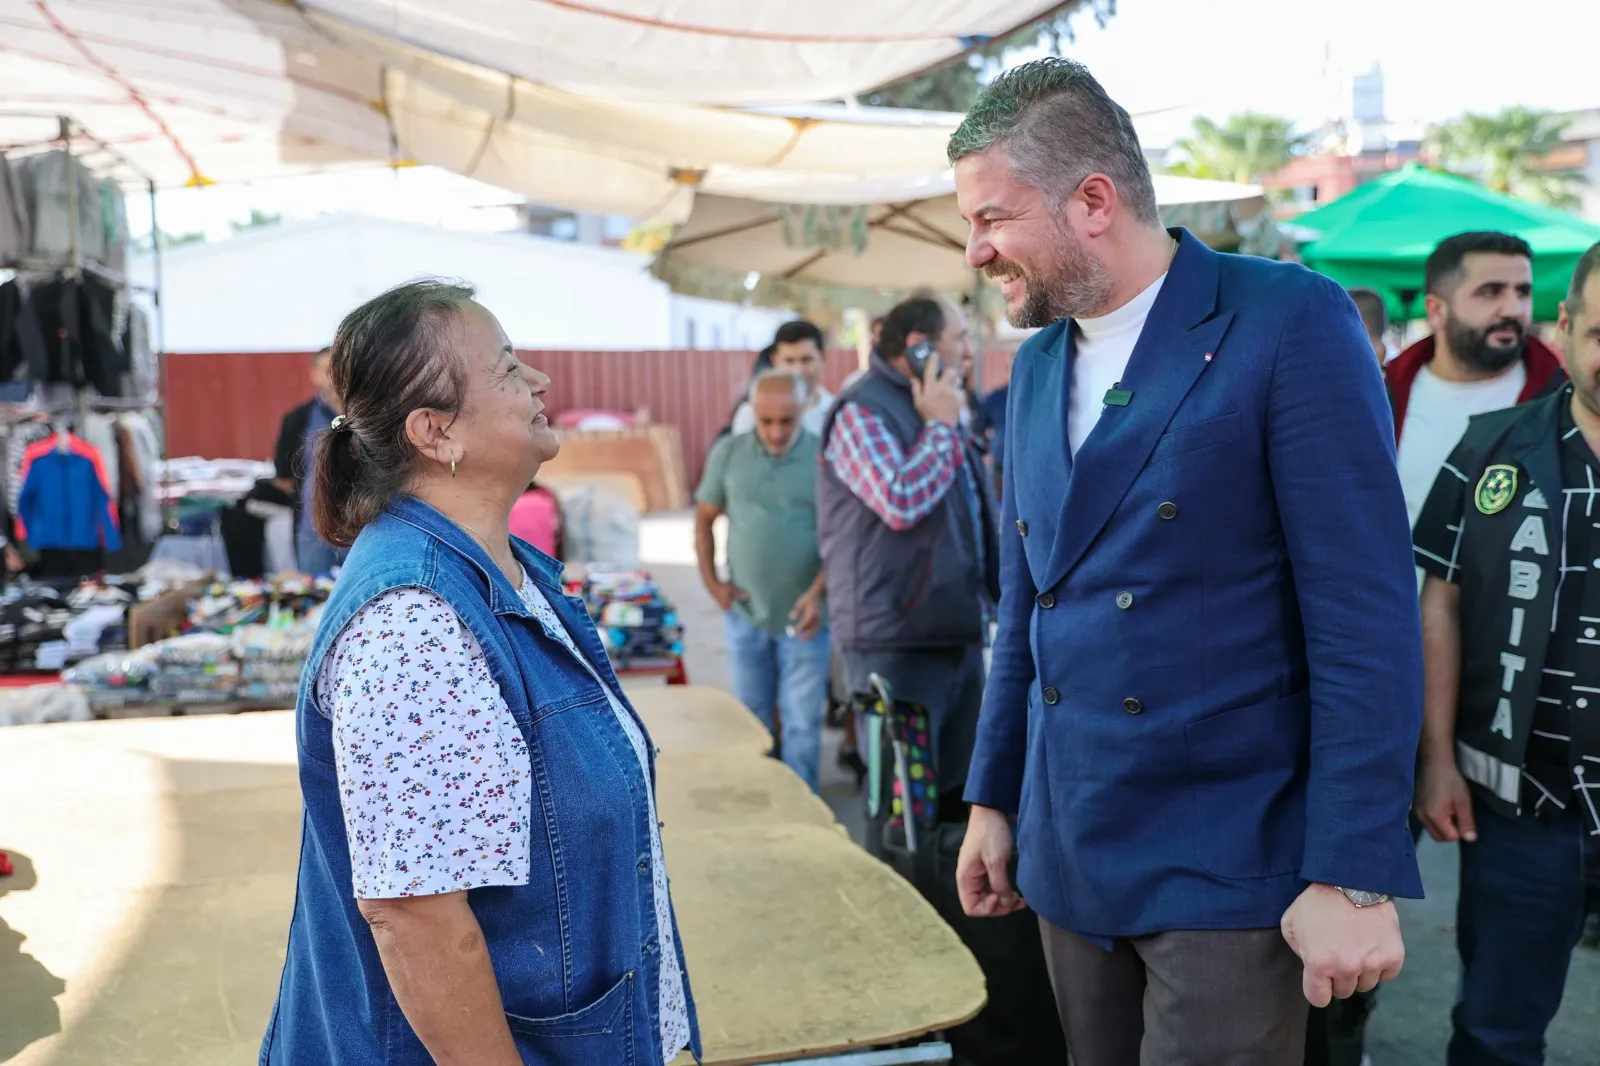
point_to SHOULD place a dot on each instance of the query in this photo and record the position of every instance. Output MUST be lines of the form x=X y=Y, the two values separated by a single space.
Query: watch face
x=1364 y=899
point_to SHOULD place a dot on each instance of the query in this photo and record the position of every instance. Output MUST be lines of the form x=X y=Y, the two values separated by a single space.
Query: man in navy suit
x=1206 y=692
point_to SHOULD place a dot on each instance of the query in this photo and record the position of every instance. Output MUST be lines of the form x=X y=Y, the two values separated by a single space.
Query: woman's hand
x=439 y=968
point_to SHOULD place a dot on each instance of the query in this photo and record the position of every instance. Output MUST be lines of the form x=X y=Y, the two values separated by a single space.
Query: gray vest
x=922 y=587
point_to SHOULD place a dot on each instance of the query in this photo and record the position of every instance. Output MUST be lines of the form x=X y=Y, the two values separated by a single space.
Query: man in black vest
x=1510 y=764
x=905 y=523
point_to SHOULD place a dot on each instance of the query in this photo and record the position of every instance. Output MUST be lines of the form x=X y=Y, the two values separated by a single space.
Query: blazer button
x=1051 y=696
x=1047 y=600
x=1022 y=527
x=1132 y=706
x=1124 y=600
x=1168 y=510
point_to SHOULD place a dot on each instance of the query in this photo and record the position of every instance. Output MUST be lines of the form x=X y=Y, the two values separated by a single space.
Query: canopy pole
x=977 y=385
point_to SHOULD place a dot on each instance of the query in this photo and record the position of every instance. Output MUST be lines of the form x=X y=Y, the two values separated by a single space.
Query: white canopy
x=880 y=236
x=578 y=104
x=729 y=52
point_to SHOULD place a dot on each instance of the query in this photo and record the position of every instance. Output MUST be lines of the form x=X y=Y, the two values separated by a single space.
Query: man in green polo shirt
x=765 y=481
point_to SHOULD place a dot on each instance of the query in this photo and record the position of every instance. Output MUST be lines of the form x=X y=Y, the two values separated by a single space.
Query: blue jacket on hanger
x=64 y=504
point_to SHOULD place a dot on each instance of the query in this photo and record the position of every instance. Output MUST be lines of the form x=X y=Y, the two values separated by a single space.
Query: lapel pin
x=1208 y=357
x=1118 y=397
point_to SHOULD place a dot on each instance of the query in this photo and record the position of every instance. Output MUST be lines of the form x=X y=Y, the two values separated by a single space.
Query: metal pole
x=978 y=385
x=159 y=344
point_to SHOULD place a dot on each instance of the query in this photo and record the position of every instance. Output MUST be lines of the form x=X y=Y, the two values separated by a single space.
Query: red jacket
x=1543 y=367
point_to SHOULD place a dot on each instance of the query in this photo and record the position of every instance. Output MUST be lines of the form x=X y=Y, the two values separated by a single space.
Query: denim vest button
x=644 y=865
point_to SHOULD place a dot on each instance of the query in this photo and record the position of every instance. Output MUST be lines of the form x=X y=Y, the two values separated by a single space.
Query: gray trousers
x=1205 y=998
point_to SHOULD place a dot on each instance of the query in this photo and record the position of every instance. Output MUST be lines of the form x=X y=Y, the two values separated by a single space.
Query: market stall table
x=685 y=718
x=799 y=943
x=729 y=789
x=155 y=879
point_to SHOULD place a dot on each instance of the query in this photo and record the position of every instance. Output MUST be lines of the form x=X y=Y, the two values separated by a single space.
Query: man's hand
x=14 y=561
x=806 y=618
x=726 y=594
x=983 y=880
x=1443 y=802
x=1345 y=948
x=938 y=396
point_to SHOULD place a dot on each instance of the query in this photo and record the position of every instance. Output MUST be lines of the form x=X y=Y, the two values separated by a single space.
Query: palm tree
x=1247 y=147
x=1506 y=151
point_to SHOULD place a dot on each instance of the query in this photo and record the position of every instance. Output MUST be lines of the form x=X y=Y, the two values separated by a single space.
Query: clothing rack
x=67 y=130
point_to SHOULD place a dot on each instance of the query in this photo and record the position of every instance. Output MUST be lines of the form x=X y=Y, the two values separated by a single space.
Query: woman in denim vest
x=481 y=875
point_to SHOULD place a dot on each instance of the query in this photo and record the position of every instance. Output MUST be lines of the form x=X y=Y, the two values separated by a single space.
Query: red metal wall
x=224 y=405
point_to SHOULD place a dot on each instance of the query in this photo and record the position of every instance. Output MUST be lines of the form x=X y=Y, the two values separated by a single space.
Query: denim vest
x=574 y=950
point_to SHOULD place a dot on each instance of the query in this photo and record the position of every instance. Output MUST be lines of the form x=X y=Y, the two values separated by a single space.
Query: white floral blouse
x=434 y=775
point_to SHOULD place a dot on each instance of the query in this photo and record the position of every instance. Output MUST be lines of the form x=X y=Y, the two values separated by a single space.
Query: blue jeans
x=1519 y=916
x=789 y=674
x=314 y=555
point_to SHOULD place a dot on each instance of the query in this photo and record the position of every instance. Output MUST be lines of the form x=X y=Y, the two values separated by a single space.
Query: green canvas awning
x=1379 y=236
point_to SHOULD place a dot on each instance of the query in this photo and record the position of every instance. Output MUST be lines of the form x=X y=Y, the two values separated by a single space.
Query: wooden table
x=800 y=943
x=729 y=789
x=689 y=718
x=156 y=861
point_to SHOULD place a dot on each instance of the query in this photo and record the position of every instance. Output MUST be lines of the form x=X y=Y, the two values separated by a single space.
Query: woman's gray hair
x=391 y=356
x=1058 y=126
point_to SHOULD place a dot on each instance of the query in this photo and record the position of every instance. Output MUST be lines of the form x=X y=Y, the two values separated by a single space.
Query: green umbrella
x=1379 y=235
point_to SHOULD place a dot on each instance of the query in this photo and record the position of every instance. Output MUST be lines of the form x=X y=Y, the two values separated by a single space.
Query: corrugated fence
x=229 y=405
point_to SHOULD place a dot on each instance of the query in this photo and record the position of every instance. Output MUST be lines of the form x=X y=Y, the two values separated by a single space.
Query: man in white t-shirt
x=1479 y=293
x=796 y=349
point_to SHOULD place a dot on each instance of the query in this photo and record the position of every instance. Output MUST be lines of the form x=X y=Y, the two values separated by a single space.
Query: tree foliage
x=955 y=86
x=1506 y=152
x=1247 y=147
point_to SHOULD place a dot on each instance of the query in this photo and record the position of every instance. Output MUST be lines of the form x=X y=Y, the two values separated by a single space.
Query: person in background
x=483 y=879
x=874 y=332
x=294 y=464
x=1510 y=763
x=765 y=481
x=1375 y=317
x=1205 y=857
x=796 y=349
x=994 y=407
x=1480 y=357
x=536 y=518
x=906 y=523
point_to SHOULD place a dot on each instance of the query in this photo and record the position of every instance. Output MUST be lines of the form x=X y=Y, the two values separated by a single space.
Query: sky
x=1166 y=61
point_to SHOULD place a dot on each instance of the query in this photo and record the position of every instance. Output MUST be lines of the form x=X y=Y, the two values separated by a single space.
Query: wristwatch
x=1364 y=899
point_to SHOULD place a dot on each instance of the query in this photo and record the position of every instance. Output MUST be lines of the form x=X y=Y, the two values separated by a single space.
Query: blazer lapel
x=1179 y=336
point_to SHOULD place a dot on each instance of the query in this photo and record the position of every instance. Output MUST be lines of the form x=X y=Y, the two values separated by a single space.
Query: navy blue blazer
x=1206 y=687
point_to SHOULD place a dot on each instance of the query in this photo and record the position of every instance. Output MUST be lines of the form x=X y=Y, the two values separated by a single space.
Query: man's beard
x=1074 y=285
x=1472 y=346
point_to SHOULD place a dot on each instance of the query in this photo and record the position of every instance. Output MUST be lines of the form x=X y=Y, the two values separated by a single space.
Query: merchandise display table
x=689 y=718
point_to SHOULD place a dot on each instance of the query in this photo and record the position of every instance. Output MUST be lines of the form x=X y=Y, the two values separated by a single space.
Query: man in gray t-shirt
x=765 y=481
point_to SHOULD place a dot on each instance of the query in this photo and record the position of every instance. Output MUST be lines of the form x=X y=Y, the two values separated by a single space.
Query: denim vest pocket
x=602 y=1032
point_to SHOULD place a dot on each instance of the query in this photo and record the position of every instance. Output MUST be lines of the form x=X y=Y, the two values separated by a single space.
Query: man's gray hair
x=1058 y=126
x=778 y=381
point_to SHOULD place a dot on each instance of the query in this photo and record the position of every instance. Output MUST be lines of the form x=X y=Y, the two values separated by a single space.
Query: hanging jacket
x=76 y=446
x=65 y=505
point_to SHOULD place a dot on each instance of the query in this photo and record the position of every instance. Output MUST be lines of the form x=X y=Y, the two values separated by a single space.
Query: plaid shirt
x=901 y=489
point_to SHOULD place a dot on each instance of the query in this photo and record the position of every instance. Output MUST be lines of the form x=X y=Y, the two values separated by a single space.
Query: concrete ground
x=1412 y=1025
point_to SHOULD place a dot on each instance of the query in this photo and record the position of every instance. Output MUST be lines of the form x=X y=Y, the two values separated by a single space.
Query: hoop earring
x=452 y=468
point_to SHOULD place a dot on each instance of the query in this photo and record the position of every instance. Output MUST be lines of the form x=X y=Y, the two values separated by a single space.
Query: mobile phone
x=918 y=355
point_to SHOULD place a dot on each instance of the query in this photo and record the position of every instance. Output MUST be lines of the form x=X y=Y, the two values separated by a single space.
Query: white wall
x=713 y=324
x=286 y=287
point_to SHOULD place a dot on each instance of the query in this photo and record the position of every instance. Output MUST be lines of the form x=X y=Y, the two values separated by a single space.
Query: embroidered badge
x=1496 y=488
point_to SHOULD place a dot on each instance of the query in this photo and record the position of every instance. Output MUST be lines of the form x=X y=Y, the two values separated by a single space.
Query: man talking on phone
x=906 y=527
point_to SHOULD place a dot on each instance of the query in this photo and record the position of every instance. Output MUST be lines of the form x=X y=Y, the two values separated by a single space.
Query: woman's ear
x=429 y=432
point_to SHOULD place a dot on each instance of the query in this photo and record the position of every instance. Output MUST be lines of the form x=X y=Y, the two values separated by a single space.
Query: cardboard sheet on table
x=730 y=789
x=798 y=943
x=686 y=718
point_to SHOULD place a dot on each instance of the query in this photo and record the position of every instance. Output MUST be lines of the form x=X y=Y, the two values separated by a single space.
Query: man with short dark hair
x=1479 y=300
x=797 y=349
x=1375 y=317
x=1510 y=761
x=1205 y=694
x=294 y=465
x=906 y=524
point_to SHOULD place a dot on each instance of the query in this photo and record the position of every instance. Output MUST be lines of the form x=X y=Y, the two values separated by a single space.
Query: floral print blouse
x=434 y=775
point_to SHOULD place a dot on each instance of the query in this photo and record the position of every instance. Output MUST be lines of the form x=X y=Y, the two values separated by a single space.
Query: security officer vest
x=1503 y=483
